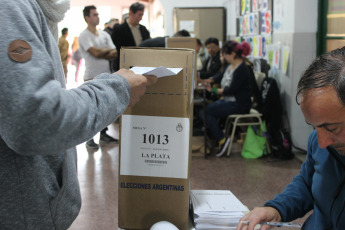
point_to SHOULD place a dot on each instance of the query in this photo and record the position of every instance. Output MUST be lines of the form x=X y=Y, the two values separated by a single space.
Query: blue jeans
x=220 y=109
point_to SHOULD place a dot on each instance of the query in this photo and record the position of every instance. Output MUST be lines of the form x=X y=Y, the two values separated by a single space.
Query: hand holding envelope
x=138 y=84
x=141 y=77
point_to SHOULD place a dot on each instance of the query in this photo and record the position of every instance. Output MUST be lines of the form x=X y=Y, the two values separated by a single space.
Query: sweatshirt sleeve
x=38 y=115
x=296 y=200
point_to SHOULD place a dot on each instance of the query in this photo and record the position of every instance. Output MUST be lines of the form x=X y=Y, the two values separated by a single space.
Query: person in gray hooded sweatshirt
x=42 y=122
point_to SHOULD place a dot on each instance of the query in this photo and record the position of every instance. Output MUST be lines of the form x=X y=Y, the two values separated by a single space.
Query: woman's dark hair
x=326 y=70
x=241 y=50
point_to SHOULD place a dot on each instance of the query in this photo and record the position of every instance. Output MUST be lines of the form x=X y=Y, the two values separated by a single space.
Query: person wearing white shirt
x=97 y=49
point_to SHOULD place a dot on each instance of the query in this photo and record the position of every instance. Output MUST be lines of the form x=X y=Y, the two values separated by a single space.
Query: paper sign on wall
x=154 y=146
x=266 y=20
x=188 y=25
x=286 y=54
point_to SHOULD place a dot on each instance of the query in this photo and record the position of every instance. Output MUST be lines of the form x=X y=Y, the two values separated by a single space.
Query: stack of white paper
x=216 y=209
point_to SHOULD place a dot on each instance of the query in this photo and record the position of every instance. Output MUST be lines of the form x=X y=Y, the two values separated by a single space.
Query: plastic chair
x=241 y=120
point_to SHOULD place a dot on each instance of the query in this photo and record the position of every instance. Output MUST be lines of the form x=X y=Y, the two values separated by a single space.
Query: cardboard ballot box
x=181 y=42
x=155 y=143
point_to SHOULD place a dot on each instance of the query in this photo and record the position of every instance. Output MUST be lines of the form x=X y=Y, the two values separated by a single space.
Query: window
x=331 y=33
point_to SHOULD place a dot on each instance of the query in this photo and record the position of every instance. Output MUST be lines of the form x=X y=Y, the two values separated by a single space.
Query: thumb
x=151 y=79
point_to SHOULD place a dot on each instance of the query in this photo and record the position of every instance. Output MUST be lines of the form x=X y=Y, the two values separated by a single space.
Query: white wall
x=295 y=27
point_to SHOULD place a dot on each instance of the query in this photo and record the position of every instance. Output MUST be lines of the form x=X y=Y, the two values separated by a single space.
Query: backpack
x=281 y=145
x=272 y=112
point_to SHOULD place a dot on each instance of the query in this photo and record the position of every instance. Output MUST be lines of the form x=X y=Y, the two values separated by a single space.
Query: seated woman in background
x=236 y=91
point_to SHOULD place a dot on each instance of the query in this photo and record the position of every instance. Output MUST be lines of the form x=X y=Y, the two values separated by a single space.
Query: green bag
x=255 y=143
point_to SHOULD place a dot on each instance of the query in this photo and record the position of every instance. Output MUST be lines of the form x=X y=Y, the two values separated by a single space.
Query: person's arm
x=217 y=78
x=103 y=53
x=97 y=52
x=137 y=84
x=111 y=55
x=113 y=52
x=294 y=202
x=214 y=79
x=38 y=115
x=296 y=199
x=257 y=215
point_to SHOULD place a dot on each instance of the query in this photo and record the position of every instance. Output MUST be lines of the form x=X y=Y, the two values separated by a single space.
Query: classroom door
x=201 y=22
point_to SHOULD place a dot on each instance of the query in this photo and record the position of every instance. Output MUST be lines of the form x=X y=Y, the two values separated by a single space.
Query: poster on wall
x=188 y=25
x=257 y=5
x=257 y=46
x=273 y=55
x=245 y=7
x=250 y=42
x=286 y=54
x=254 y=23
x=264 y=5
x=240 y=26
x=246 y=25
x=238 y=39
x=265 y=40
x=266 y=22
x=255 y=27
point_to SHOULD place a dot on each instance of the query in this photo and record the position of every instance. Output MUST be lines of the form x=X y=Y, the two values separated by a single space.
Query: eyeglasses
x=211 y=46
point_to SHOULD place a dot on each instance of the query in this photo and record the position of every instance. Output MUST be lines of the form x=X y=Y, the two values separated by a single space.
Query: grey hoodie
x=41 y=123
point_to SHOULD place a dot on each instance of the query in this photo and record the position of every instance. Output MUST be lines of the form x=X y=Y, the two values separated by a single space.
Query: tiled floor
x=252 y=181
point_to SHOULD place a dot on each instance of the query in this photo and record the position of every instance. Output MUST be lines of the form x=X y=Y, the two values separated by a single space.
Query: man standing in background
x=112 y=22
x=109 y=29
x=97 y=49
x=63 y=48
x=130 y=33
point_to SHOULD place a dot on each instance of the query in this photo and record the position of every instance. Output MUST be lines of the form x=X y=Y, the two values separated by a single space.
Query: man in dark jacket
x=131 y=33
x=320 y=184
x=212 y=64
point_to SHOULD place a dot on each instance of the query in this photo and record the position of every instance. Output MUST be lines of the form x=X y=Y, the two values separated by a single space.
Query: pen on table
x=277 y=224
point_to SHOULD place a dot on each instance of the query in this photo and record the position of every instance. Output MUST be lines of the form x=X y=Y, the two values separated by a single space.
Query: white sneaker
x=223 y=148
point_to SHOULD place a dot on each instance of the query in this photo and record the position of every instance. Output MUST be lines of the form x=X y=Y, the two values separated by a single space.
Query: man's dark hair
x=136 y=7
x=212 y=40
x=182 y=33
x=326 y=70
x=64 y=31
x=87 y=9
x=113 y=20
